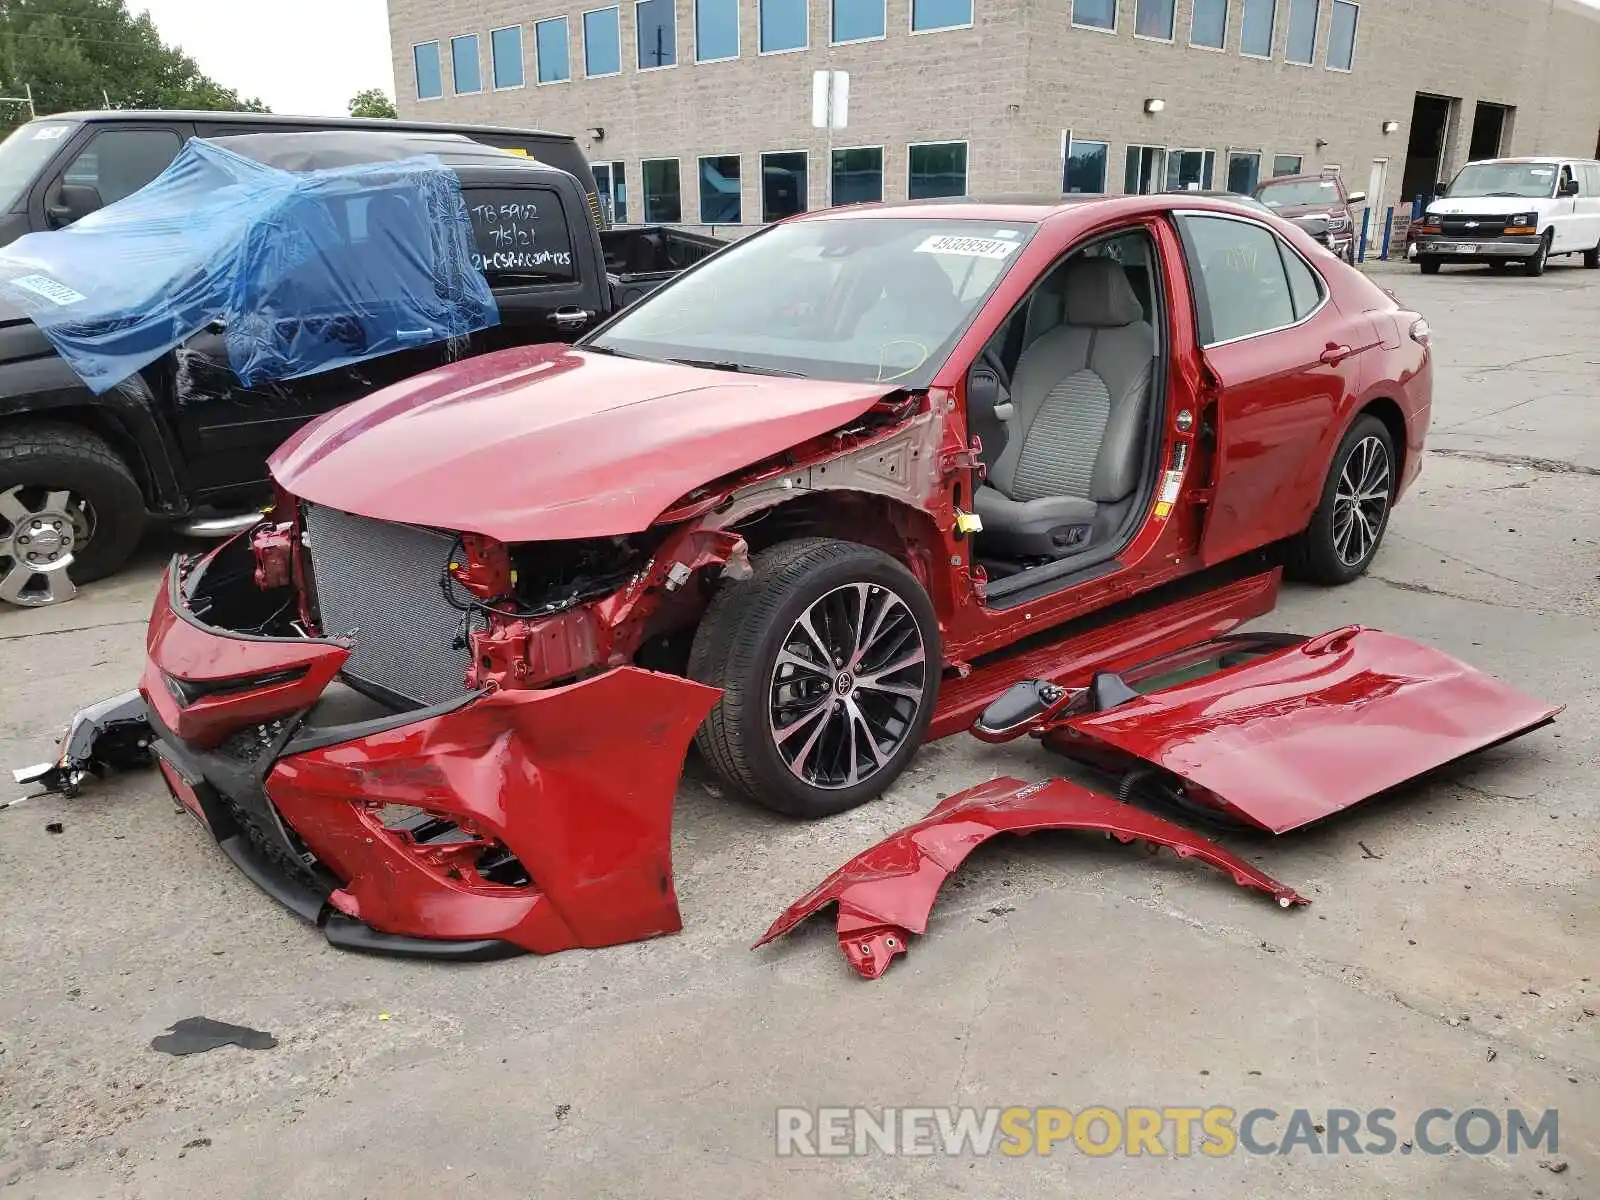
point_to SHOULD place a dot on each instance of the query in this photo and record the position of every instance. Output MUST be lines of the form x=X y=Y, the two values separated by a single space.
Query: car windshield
x=1532 y=180
x=865 y=299
x=24 y=153
x=1292 y=193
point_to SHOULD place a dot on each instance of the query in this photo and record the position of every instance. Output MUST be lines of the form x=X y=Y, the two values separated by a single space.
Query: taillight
x=1420 y=332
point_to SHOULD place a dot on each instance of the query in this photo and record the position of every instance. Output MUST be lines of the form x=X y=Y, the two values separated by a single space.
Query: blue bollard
x=1388 y=228
x=1366 y=221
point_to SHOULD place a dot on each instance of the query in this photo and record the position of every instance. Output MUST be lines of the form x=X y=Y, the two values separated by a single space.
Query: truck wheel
x=1591 y=258
x=1535 y=266
x=1353 y=514
x=70 y=513
x=1429 y=267
x=829 y=658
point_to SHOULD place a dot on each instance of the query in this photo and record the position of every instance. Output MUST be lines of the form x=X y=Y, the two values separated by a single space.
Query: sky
x=300 y=56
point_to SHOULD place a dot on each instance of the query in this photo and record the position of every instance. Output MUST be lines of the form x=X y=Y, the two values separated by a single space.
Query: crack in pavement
x=1551 y=466
x=17 y=637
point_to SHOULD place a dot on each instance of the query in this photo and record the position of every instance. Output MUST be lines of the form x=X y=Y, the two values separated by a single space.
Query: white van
x=1521 y=210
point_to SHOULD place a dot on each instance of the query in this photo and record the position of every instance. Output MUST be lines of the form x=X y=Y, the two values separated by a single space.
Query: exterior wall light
x=1390 y=126
x=1154 y=105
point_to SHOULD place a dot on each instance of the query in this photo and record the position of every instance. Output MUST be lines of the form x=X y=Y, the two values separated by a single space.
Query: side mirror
x=1440 y=188
x=1355 y=198
x=1569 y=188
x=73 y=202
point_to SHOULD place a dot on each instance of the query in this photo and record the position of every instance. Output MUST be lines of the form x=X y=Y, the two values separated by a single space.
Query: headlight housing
x=1523 y=223
x=1337 y=222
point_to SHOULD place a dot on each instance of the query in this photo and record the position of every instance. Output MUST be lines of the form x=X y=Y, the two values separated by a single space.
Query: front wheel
x=1429 y=268
x=1535 y=266
x=1591 y=258
x=829 y=658
x=1353 y=514
x=70 y=513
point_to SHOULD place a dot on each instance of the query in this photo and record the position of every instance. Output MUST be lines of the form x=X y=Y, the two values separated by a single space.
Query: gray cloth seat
x=1080 y=400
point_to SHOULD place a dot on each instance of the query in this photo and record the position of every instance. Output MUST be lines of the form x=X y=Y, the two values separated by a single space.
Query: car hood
x=545 y=442
x=1498 y=206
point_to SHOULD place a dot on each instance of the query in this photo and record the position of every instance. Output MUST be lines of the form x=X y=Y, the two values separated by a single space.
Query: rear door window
x=521 y=235
x=1241 y=287
x=118 y=162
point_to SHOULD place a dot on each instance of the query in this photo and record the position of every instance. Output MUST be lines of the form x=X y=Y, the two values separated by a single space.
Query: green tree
x=374 y=102
x=78 y=54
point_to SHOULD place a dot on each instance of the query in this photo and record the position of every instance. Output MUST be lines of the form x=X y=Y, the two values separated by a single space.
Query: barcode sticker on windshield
x=50 y=133
x=52 y=290
x=967 y=247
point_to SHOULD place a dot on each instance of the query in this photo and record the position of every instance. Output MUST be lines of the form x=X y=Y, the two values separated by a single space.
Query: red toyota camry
x=824 y=496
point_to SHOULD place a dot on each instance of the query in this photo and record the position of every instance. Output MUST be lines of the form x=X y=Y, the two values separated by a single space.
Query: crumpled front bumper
x=500 y=822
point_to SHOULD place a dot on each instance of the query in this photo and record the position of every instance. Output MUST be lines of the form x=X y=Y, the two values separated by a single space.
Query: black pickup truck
x=185 y=441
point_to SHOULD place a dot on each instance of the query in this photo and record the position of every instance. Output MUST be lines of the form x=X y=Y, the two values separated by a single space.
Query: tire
x=1591 y=258
x=737 y=647
x=54 y=457
x=1429 y=268
x=1534 y=267
x=1324 y=552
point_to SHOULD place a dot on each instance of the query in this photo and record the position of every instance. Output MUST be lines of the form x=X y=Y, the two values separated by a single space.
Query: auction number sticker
x=50 y=133
x=52 y=290
x=967 y=247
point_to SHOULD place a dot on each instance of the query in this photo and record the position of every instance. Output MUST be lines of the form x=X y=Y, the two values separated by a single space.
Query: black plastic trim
x=347 y=933
x=312 y=738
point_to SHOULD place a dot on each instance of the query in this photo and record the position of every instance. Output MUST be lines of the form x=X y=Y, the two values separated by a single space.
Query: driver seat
x=1080 y=399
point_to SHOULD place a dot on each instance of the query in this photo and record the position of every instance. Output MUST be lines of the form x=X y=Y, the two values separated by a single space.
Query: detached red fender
x=886 y=893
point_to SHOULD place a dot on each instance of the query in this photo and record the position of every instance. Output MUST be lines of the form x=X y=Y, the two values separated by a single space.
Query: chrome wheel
x=1361 y=501
x=40 y=529
x=847 y=686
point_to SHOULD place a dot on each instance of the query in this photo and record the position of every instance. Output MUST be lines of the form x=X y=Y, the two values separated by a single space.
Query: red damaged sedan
x=827 y=495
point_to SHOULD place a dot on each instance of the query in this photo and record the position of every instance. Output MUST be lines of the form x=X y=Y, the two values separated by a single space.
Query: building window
x=1190 y=170
x=783 y=24
x=505 y=51
x=1342 y=41
x=1255 y=35
x=1143 y=170
x=716 y=30
x=430 y=77
x=1153 y=19
x=937 y=169
x=663 y=204
x=468 y=75
x=858 y=175
x=857 y=20
x=1302 y=46
x=1244 y=171
x=1084 y=166
x=602 y=43
x=783 y=184
x=550 y=43
x=719 y=190
x=658 y=46
x=611 y=181
x=928 y=15
x=1286 y=164
x=1209 y=25
x=1095 y=14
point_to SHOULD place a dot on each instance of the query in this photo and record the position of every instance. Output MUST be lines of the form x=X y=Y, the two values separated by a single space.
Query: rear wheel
x=1353 y=514
x=828 y=656
x=1429 y=268
x=1535 y=266
x=70 y=513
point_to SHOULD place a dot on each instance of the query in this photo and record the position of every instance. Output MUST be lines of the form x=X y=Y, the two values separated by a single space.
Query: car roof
x=1529 y=160
x=109 y=116
x=322 y=149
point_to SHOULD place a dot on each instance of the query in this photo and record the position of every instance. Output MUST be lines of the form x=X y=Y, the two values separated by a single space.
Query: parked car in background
x=1322 y=204
x=184 y=440
x=1514 y=210
x=57 y=169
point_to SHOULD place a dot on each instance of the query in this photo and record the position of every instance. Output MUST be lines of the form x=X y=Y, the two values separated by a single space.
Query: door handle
x=570 y=318
x=1334 y=355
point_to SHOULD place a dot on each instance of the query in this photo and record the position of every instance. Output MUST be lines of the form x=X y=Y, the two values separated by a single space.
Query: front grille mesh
x=380 y=583
x=1472 y=226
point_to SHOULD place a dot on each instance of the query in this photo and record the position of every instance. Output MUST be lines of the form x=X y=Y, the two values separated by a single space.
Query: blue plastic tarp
x=306 y=271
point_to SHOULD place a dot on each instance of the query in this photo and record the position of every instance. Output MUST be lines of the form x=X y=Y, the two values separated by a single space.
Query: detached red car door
x=1284 y=360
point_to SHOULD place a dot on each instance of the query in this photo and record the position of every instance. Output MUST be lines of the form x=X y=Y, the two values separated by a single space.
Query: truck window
x=25 y=153
x=521 y=235
x=119 y=162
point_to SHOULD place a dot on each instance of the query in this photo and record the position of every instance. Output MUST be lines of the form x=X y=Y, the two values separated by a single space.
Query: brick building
x=700 y=111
